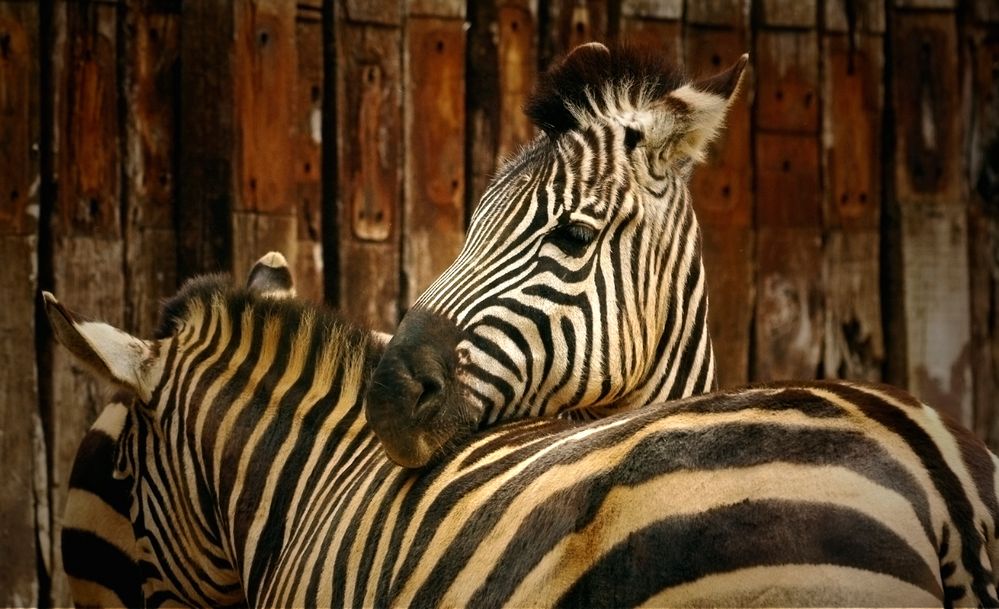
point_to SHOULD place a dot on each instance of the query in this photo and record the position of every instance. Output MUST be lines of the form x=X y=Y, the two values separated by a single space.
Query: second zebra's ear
x=690 y=117
x=108 y=352
x=270 y=277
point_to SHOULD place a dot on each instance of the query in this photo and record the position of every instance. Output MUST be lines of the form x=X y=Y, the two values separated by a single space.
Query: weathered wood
x=788 y=13
x=852 y=105
x=729 y=261
x=789 y=305
x=936 y=306
x=981 y=57
x=205 y=192
x=854 y=342
x=722 y=192
x=662 y=35
x=23 y=487
x=385 y=12
x=307 y=266
x=516 y=57
x=502 y=63
x=731 y=13
x=854 y=16
x=88 y=251
x=986 y=11
x=787 y=177
x=722 y=187
x=436 y=8
x=928 y=111
x=787 y=70
x=652 y=9
x=370 y=187
x=152 y=51
x=926 y=4
x=571 y=23
x=434 y=207
x=264 y=67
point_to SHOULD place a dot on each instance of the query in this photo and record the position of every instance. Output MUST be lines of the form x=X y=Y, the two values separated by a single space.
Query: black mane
x=629 y=70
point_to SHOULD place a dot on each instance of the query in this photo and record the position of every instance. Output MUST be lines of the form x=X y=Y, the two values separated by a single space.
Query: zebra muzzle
x=413 y=402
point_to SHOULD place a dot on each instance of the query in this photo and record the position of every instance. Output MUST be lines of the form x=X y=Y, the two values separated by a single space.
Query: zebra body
x=256 y=480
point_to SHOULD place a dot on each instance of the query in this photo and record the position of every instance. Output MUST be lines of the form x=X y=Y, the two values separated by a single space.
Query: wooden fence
x=850 y=213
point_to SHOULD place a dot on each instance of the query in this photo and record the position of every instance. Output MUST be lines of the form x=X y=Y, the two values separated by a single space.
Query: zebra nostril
x=431 y=390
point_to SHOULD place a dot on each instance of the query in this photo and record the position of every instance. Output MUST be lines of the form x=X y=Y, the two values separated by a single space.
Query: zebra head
x=138 y=431
x=580 y=288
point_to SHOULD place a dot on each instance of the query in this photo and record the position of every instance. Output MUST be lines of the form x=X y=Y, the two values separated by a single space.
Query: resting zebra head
x=142 y=368
x=580 y=287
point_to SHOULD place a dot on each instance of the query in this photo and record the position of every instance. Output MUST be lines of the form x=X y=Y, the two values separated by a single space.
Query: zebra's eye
x=572 y=238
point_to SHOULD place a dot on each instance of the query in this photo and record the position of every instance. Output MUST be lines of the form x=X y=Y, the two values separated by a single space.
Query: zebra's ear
x=270 y=277
x=697 y=114
x=106 y=351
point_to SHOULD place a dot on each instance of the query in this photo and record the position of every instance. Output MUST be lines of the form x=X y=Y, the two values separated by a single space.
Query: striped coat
x=255 y=479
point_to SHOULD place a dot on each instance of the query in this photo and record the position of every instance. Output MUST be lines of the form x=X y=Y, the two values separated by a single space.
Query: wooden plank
x=853 y=16
x=926 y=4
x=985 y=11
x=502 y=62
x=852 y=105
x=730 y=13
x=265 y=64
x=23 y=488
x=152 y=87
x=205 y=194
x=981 y=57
x=652 y=9
x=384 y=12
x=789 y=307
x=571 y=23
x=722 y=187
x=787 y=69
x=936 y=306
x=436 y=8
x=88 y=249
x=928 y=110
x=788 y=13
x=307 y=266
x=787 y=181
x=370 y=176
x=728 y=263
x=662 y=35
x=854 y=342
x=434 y=207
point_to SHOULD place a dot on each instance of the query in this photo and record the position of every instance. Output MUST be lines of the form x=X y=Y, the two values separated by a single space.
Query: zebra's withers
x=256 y=480
x=579 y=290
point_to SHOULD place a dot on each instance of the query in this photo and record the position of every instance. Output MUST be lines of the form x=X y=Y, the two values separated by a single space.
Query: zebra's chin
x=415 y=402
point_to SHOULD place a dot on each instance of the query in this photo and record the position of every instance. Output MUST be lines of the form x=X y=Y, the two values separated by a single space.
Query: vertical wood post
x=852 y=108
x=369 y=123
x=722 y=191
x=929 y=199
x=434 y=109
x=789 y=321
x=88 y=252
x=24 y=526
x=308 y=266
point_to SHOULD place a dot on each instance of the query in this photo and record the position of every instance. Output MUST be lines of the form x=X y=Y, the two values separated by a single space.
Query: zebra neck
x=683 y=363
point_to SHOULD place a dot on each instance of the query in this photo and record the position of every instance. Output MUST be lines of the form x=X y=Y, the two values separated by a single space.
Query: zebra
x=98 y=548
x=256 y=480
x=580 y=289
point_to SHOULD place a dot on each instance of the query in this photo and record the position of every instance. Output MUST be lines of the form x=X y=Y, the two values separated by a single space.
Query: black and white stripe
x=580 y=290
x=256 y=480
